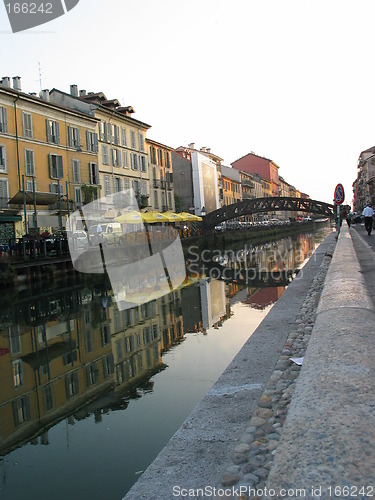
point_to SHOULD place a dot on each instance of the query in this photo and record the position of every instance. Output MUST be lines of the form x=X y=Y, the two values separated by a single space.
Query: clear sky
x=291 y=80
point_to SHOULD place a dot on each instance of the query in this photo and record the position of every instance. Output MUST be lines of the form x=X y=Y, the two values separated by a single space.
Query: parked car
x=107 y=233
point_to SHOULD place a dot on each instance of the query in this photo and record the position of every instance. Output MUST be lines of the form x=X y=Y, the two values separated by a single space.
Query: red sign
x=339 y=195
x=4 y=351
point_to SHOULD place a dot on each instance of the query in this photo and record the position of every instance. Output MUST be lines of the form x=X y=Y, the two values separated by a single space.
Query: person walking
x=368 y=212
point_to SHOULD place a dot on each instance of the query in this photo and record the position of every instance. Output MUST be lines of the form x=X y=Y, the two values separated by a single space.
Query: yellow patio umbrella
x=153 y=216
x=132 y=217
x=190 y=217
x=173 y=216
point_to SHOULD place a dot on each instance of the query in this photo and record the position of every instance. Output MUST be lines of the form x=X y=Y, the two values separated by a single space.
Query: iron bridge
x=271 y=204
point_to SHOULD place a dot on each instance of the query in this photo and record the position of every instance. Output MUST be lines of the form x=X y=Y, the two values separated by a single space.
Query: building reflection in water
x=72 y=353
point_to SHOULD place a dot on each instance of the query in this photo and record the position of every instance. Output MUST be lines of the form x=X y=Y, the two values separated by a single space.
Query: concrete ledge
x=329 y=433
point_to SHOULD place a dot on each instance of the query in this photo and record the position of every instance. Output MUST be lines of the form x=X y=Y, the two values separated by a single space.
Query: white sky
x=291 y=80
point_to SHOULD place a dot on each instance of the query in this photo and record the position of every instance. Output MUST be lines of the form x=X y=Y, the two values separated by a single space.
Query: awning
x=41 y=198
x=10 y=218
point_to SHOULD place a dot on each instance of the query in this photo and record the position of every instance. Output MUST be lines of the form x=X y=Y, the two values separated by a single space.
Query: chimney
x=203 y=148
x=33 y=94
x=6 y=81
x=208 y=150
x=44 y=94
x=82 y=93
x=74 y=90
x=17 y=83
x=191 y=145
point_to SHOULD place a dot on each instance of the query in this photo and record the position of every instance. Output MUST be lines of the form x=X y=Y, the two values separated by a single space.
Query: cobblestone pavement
x=253 y=456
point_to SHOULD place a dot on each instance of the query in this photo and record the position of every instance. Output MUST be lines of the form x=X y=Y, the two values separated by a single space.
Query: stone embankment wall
x=232 y=436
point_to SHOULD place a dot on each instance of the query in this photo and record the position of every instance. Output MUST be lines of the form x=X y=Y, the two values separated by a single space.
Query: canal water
x=90 y=394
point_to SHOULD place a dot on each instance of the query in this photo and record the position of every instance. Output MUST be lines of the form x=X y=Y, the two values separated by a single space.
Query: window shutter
x=91 y=173
x=48 y=130
x=96 y=173
x=95 y=137
x=59 y=162
x=70 y=136
x=4 y=120
x=3 y=189
x=57 y=132
x=87 y=140
x=50 y=161
x=118 y=158
x=113 y=157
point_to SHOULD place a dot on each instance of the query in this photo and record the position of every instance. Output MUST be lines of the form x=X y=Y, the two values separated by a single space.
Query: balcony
x=248 y=183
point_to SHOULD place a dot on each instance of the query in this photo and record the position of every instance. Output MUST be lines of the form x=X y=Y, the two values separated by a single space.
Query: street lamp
x=203 y=211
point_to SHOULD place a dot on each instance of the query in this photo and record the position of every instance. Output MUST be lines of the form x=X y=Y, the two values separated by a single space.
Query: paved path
x=364 y=246
x=327 y=445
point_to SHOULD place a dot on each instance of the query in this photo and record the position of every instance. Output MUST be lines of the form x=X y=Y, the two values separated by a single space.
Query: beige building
x=122 y=154
x=161 y=176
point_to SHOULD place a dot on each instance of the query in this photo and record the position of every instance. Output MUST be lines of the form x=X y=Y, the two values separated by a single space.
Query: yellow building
x=123 y=159
x=231 y=183
x=45 y=149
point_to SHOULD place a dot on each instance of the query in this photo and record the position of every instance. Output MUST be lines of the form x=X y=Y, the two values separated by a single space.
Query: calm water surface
x=90 y=395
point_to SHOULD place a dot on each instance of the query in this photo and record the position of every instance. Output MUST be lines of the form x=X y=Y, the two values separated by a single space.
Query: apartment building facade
x=161 y=176
x=47 y=153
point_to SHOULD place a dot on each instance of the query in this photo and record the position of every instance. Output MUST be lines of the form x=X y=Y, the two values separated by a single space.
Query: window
x=27 y=121
x=143 y=164
x=119 y=353
x=55 y=167
x=29 y=162
x=56 y=188
x=108 y=365
x=132 y=140
x=105 y=335
x=31 y=185
x=160 y=154
x=3 y=120
x=94 y=173
x=109 y=132
x=156 y=199
x=116 y=157
x=3 y=159
x=76 y=172
x=48 y=397
x=125 y=159
x=123 y=137
x=144 y=187
x=105 y=154
x=17 y=373
x=116 y=315
x=92 y=373
x=78 y=196
x=167 y=160
x=126 y=183
x=53 y=131
x=135 y=186
x=89 y=341
x=153 y=155
x=107 y=185
x=170 y=206
x=21 y=410
x=134 y=161
x=92 y=141
x=117 y=184
x=4 y=197
x=116 y=135
x=141 y=142
x=15 y=339
x=103 y=131
x=71 y=385
x=74 y=137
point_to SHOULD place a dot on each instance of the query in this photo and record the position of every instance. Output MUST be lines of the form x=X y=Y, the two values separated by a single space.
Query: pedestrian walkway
x=364 y=246
x=327 y=445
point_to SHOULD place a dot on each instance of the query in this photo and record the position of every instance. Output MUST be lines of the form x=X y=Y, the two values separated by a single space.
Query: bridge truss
x=272 y=204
